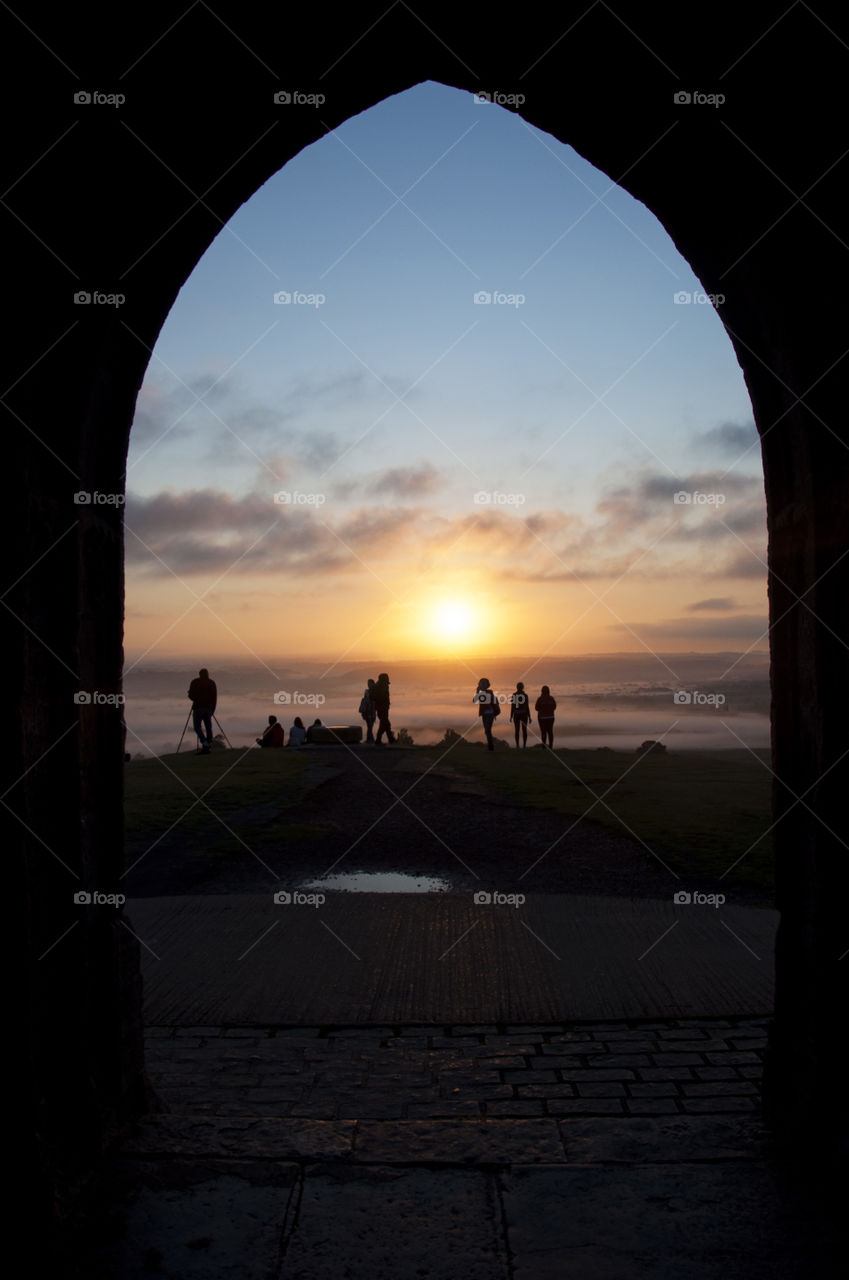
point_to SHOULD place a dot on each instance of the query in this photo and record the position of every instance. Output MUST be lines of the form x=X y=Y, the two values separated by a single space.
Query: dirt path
x=386 y=810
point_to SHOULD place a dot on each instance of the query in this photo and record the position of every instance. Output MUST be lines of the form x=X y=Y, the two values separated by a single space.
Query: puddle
x=379 y=882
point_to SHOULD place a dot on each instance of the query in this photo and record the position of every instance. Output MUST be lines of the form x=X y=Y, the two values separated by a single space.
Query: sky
x=433 y=392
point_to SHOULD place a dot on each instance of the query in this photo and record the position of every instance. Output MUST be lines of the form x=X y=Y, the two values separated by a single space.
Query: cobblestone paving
x=693 y=1066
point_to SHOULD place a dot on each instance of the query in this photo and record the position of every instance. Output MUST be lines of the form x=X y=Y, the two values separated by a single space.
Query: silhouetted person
x=545 y=707
x=380 y=697
x=520 y=712
x=297 y=734
x=273 y=736
x=204 y=695
x=488 y=709
x=368 y=711
x=316 y=724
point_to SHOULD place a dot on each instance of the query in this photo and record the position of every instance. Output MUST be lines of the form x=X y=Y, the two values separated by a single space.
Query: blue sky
x=588 y=392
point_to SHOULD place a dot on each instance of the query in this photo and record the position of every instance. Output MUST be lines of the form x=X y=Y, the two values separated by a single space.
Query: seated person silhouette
x=297 y=734
x=273 y=736
x=316 y=724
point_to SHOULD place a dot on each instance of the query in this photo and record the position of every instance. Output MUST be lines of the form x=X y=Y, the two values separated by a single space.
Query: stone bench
x=334 y=734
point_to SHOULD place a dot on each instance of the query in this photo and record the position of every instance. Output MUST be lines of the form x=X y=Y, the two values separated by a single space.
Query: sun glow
x=453 y=620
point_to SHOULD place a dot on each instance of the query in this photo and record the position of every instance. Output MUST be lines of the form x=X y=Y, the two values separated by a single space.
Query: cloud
x=731 y=439
x=718 y=603
x=742 y=626
x=399 y=483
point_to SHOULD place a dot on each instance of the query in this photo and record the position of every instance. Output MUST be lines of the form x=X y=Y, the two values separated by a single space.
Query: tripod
x=217 y=721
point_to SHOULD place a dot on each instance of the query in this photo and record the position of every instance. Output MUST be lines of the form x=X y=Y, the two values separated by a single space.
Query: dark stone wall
x=126 y=199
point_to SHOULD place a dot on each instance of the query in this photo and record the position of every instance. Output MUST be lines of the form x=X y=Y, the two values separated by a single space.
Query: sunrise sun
x=453 y=620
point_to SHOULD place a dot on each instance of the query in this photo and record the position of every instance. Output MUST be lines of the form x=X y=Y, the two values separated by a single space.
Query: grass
x=158 y=791
x=700 y=811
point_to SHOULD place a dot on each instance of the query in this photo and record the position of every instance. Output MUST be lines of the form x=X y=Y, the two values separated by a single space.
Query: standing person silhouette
x=204 y=695
x=380 y=698
x=520 y=712
x=368 y=711
x=545 y=708
x=488 y=709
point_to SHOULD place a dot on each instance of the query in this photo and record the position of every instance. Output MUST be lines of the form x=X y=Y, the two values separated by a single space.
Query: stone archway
x=125 y=198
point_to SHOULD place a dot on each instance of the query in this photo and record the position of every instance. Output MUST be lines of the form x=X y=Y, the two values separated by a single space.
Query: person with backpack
x=380 y=697
x=545 y=708
x=520 y=712
x=488 y=709
x=368 y=711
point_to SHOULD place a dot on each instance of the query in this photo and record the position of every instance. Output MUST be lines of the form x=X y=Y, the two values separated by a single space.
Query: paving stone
x=452 y=1042
x=692 y=1221
x=599 y=1090
x=666 y=1073
x=574 y=1106
x=683 y=1033
x=563 y=1089
x=482 y=1091
x=516 y=1107
x=501 y=1058
x=718 y=1088
x=475 y=1031
x=598 y=1073
x=459 y=1142
x=651 y=1106
x=569 y=1037
x=751 y=1073
x=730 y=1058
x=753 y=1045
x=383 y=1223
x=716 y=1073
x=719 y=1104
x=218 y=1219
x=619 y=1060
x=439 y=1107
x=679 y=1138
x=557 y=1062
x=680 y=1060
x=602 y=1026
x=268 y=1139
x=529 y=1076
x=660 y=1089
x=159 y=1033
x=703 y=1022
x=626 y=1046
